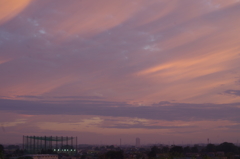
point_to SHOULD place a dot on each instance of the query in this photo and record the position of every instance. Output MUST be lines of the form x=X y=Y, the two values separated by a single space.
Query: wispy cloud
x=233 y=92
x=174 y=111
x=141 y=126
x=11 y=8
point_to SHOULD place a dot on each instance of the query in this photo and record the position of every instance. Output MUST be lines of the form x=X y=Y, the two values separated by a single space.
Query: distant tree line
x=228 y=148
x=1 y=151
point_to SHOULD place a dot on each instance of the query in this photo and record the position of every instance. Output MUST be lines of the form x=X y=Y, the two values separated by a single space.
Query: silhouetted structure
x=137 y=142
x=49 y=144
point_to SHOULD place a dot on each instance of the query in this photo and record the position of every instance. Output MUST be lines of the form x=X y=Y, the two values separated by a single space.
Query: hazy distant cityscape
x=49 y=147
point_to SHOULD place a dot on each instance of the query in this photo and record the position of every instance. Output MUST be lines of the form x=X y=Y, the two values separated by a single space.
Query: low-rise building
x=43 y=156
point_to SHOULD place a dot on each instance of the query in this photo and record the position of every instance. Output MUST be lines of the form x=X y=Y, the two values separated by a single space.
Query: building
x=137 y=142
x=43 y=156
x=49 y=144
x=39 y=156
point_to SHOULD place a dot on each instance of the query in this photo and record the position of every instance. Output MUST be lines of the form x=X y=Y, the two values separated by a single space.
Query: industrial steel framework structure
x=49 y=144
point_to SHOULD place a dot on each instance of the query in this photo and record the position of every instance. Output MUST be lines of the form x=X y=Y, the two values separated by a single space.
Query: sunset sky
x=166 y=71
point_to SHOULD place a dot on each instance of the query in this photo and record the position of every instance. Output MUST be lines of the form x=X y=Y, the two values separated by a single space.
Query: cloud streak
x=171 y=112
x=10 y=8
x=233 y=92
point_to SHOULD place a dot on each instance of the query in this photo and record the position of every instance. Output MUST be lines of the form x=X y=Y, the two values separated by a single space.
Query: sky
x=164 y=71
